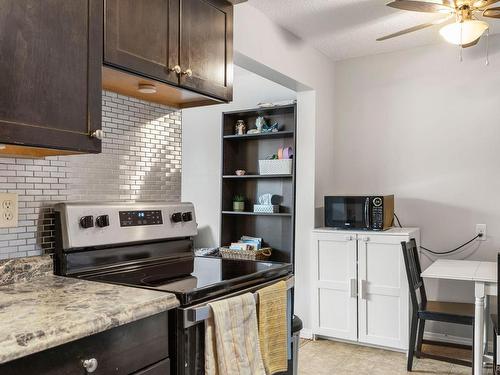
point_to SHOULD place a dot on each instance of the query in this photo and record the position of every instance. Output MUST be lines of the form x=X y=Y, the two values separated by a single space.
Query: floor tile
x=325 y=357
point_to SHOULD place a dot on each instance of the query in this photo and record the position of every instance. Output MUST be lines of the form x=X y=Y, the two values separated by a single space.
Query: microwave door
x=367 y=213
x=345 y=212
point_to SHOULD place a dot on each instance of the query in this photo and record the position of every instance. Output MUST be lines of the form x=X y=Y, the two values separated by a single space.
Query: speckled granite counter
x=39 y=310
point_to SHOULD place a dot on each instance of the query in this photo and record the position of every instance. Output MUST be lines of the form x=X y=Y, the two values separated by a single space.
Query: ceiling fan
x=462 y=21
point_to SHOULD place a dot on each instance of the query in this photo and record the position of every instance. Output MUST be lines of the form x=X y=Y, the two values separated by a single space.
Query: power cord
x=443 y=252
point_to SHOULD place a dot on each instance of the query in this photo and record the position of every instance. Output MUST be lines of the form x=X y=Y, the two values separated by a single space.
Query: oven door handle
x=197 y=314
x=367 y=213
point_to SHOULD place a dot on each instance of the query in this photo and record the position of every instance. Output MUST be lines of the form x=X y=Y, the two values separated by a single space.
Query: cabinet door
x=335 y=291
x=206 y=47
x=50 y=59
x=383 y=291
x=141 y=36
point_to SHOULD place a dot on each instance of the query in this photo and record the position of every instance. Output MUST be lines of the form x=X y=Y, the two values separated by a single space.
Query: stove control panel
x=85 y=224
x=145 y=217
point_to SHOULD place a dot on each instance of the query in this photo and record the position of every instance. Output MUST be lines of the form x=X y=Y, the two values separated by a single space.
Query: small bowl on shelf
x=240 y=172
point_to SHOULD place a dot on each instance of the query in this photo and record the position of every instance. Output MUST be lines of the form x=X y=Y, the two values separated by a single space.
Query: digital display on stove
x=143 y=217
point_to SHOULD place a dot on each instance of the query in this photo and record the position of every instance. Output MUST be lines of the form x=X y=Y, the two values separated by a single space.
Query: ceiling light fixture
x=147 y=88
x=463 y=33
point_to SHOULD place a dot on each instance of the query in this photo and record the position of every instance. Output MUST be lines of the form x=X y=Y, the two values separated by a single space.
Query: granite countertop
x=39 y=310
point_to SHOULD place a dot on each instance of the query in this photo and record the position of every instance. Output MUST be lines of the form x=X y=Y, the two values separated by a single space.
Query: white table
x=484 y=277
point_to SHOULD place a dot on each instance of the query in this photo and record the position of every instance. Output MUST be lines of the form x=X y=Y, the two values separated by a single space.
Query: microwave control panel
x=377 y=213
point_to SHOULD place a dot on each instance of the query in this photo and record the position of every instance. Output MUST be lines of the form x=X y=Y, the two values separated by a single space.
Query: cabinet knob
x=98 y=134
x=366 y=238
x=187 y=72
x=90 y=365
x=176 y=69
x=348 y=238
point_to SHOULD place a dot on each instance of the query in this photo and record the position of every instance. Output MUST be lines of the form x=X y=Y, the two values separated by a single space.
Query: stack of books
x=247 y=243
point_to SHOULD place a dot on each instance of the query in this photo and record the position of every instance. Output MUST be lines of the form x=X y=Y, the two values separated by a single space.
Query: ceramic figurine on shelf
x=275 y=127
x=260 y=122
x=240 y=128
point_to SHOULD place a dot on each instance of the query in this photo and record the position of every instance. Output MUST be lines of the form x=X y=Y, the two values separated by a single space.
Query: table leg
x=479 y=328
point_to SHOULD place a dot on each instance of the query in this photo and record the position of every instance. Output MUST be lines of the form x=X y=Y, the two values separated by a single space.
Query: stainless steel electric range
x=150 y=245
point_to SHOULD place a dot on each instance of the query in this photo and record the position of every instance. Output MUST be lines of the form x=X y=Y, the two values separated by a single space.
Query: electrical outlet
x=8 y=210
x=481 y=229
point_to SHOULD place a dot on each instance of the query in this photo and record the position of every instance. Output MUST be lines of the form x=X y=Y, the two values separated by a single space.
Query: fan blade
x=492 y=13
x=483 y=4
x=414 y=28
x=471 y=44
x=420 y=6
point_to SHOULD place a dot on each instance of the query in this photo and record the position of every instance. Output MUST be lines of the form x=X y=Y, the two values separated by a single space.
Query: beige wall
x=425 y=127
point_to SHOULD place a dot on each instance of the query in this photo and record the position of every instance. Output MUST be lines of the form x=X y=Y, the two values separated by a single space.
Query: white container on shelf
x=266 y=208
x=275 y=166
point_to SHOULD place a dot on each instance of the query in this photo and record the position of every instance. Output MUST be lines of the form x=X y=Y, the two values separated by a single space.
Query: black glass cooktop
x=209 y=278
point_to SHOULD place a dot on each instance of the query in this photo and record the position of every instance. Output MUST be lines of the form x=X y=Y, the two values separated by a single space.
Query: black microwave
x=359 y=212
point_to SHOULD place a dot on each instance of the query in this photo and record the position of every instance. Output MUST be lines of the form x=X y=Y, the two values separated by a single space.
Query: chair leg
x=413 y=337
x=420 y=336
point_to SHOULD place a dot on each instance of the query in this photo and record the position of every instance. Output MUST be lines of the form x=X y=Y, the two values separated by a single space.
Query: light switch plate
x=8 y=210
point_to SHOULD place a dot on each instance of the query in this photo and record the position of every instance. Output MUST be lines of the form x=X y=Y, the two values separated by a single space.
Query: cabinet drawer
x=121 y=350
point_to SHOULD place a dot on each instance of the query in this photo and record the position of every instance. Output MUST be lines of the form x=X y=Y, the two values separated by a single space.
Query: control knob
x=187 y=216
x=177 y=217
x=87 y=222
x=102 y=221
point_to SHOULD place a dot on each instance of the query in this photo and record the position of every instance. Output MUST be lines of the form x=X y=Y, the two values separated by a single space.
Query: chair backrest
x=413 y=271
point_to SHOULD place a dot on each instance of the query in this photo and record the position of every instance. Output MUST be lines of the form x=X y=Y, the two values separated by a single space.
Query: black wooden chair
x=424 y=310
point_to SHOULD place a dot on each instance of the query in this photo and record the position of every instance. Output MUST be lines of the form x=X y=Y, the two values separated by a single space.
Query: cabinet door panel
x=383 y=298
x=207 y=46
x=141 y=36
x=50 y=58
x=335 y=286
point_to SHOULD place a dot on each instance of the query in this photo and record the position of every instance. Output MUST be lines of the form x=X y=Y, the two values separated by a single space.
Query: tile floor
x=330 y=358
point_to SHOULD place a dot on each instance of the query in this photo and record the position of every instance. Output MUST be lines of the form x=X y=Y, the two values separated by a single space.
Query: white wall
x=425 y=127
x=201 y=139
x=278 y=55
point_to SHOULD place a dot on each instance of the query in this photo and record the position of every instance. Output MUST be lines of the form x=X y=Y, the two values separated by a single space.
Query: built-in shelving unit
x=244 y=152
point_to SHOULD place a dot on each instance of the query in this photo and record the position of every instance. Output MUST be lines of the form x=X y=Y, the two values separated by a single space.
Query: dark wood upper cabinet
x=142 y=36
x=206 y=47
x=182 y=47
x=50 y=91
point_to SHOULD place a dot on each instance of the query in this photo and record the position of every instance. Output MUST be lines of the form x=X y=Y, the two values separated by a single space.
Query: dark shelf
x=283 y=134
x=263 y=176
x=244 y=152
x=263 y=111
x=282 y=214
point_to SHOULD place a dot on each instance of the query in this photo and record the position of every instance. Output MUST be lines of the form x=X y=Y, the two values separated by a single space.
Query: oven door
x=347 y=212
x=189 y=331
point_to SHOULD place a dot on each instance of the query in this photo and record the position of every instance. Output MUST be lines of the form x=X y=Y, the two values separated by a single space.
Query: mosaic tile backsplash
x=140 y=160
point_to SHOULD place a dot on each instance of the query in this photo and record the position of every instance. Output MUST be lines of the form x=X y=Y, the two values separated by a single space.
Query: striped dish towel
x=231 y=338
x=273 y=327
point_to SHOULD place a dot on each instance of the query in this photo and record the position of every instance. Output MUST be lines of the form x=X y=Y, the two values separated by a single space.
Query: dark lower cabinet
x=140 y=347
x=50 y=59
x=206 y=47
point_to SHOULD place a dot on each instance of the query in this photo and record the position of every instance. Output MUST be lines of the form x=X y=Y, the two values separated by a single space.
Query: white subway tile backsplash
x=140 y=160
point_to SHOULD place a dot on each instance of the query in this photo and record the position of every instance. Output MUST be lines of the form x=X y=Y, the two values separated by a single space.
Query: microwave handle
x=367 y=213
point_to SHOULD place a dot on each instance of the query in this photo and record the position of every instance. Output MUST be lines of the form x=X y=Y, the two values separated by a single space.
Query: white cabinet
x=336 y=285
x=360 y=287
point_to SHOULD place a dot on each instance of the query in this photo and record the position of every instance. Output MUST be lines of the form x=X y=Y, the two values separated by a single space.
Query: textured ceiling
x=342 y=29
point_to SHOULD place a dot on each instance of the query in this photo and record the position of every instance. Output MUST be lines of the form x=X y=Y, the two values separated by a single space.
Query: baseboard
x=306 y=333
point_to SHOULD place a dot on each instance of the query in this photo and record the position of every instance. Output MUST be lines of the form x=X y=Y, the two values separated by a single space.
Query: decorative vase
x=239 y=206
